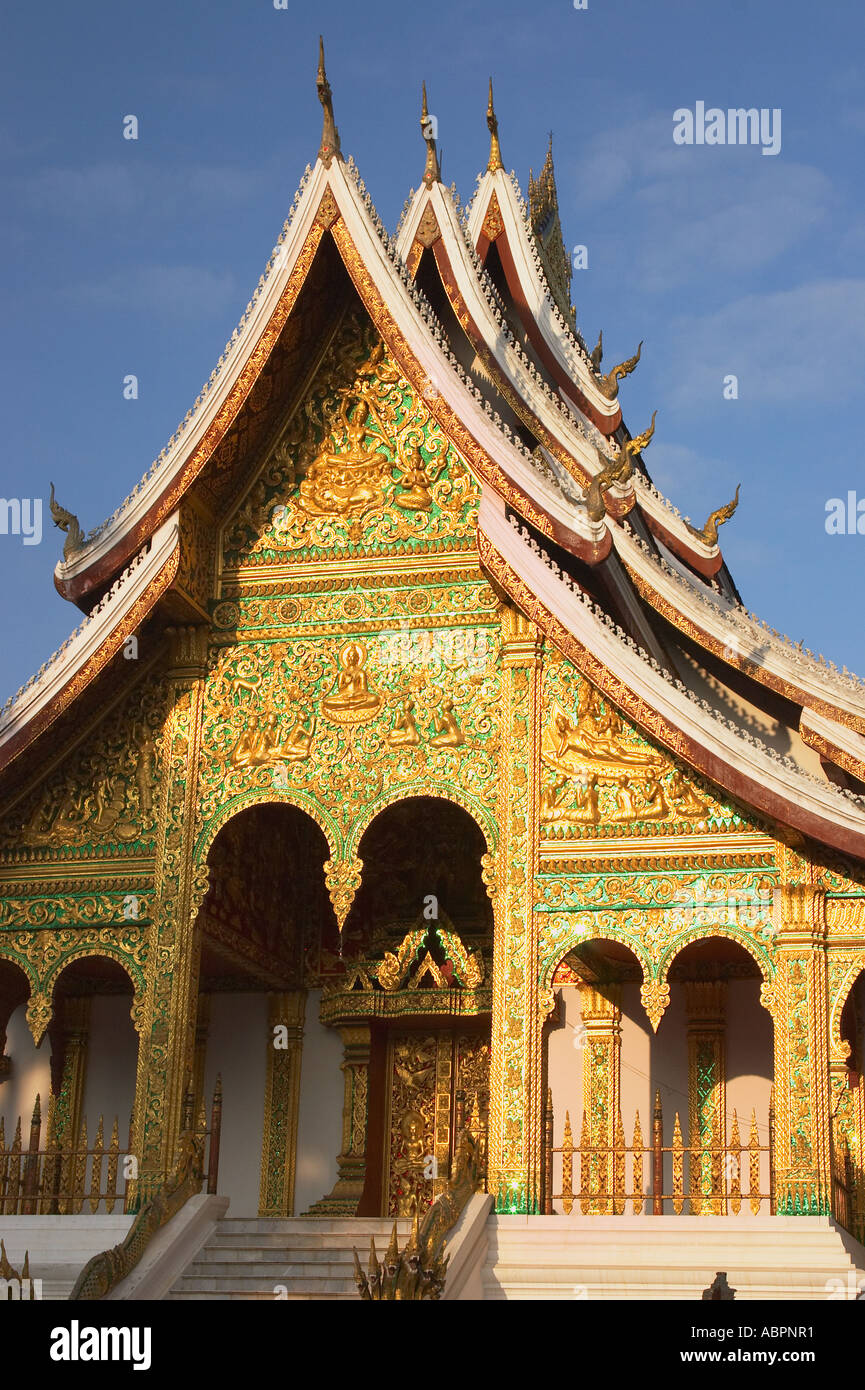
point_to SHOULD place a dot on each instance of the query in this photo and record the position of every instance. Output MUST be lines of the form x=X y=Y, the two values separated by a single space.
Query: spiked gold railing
x=714 y=1169
x=55 y=1180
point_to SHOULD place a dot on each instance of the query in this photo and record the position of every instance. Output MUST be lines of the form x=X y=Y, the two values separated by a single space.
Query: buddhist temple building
x=416 y=797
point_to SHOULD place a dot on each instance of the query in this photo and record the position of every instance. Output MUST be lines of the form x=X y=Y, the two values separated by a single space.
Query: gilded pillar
x=601 y=1009
x=705 y=1005
x=516 y=1093
x=167 y=1051
x=281 y=1103
x=351 y=1162
x=802 y=1109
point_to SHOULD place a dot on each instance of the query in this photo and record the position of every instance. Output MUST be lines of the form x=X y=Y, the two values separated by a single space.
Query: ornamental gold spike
x=596 y=355
x=636 y=445
x=609 y=384
x=329 y=133
x=709 y=533
x=495 y=159
x=432 y=173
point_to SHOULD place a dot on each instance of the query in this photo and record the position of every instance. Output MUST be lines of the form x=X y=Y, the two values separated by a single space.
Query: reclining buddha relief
x=600 y=770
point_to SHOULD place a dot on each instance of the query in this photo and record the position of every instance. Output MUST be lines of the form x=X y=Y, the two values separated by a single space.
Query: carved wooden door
x=437 y=1085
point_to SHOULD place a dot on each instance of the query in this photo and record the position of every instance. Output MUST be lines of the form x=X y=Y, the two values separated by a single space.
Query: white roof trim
x=88 y=637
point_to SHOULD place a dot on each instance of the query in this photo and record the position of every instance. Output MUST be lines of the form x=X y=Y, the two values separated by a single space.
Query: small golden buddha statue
x=404 y=731
x=352 y=695
x=683 y=797
x=446 y=731
x=626 y=806
x=299 y=742
x=417 y=495
x=655 y=807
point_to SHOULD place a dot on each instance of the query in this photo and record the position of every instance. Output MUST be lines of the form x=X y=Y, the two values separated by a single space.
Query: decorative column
x=351 y=1163
x=516 y=1091
x=281 y=1103
x=601 y=1009
x=167 y=1050
x=802 y=1110
x=705 y=1005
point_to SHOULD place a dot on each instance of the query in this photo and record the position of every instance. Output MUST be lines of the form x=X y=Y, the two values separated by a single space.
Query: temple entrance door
x=437 y=1085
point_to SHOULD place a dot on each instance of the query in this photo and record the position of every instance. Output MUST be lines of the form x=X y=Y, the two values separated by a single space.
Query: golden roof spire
x=329 y=133
x=495 y=159
x=432 y=173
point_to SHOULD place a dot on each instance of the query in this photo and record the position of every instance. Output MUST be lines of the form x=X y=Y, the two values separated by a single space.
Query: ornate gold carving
x=609 y=384
x=709 y=533
x=352 y=700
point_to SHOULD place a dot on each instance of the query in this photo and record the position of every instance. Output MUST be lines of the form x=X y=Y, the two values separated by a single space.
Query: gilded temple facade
x=417 y=769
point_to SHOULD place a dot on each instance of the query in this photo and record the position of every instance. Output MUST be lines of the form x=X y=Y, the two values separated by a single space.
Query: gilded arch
x=839 y=1050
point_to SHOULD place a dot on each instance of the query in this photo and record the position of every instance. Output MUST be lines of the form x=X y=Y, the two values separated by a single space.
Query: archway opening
x=713 y=1066
x=421 y=930
x=598 y=1042
x=269 y=942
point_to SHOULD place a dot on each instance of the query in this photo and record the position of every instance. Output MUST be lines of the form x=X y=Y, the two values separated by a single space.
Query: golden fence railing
x=715 y=1176
x=51 y=1178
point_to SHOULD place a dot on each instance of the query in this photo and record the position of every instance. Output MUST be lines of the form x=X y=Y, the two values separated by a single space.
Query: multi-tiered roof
x=475 y=309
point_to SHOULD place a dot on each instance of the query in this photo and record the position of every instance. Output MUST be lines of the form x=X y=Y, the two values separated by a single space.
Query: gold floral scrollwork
x=768 y=997
x=343 y=880
x=488 y=873
x=138 y=1013
x=655 y=996
x=40 y=1011
x=393 y=968
x=546 y=1003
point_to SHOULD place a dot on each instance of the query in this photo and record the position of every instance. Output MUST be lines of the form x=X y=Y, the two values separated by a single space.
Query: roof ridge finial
x=429 y=129
x=495 y=159
x=329 y=133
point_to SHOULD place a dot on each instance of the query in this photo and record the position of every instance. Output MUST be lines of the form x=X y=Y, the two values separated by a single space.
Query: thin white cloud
x=692 y=212
x=797 y=345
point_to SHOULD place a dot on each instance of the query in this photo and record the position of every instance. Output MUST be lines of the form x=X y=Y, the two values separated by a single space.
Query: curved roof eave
x=94 y=644
x=661 y=708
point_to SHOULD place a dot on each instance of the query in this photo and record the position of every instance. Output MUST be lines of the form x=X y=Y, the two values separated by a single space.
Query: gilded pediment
x=360 y=467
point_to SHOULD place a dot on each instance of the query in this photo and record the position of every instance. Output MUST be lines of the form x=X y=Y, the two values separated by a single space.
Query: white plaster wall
x=237 y=1050
x=319 y=1130
x=112 y=1058
x=31 y=1073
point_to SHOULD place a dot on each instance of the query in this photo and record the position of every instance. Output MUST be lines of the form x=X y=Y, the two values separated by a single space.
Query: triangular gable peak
x=333 y=202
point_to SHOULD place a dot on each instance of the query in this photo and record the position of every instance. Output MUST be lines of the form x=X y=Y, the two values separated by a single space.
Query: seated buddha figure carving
x=626 y=806
x=299 y=742
x=446 y=731
x=655 y=807
x=257 y=744
x=345 y=477
x=683 y=796
x=404 y=732
x=352 y=697
x=416 y=495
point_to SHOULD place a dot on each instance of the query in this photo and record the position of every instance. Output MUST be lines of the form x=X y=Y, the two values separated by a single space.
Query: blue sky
x=139 y=256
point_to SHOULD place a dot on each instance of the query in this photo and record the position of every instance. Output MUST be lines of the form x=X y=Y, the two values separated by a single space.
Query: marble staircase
x=303 y=1258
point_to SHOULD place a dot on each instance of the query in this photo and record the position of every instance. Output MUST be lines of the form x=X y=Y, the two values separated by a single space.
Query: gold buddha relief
x=346 y=477
x=352 y=700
